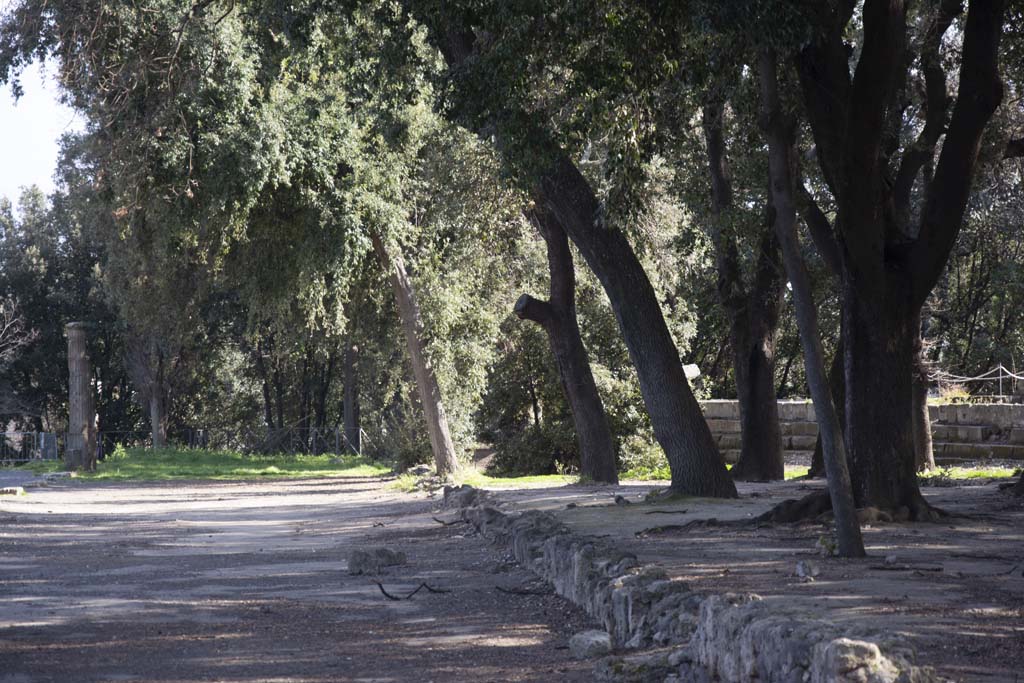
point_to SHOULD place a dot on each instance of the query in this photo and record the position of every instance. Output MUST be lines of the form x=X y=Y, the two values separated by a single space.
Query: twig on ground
x=664 y=512
x=444 y=523
x=416 y=590
x=903 y=568
x=521 y=591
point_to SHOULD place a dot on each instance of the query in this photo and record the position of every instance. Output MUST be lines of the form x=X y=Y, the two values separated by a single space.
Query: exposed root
x=808 y=508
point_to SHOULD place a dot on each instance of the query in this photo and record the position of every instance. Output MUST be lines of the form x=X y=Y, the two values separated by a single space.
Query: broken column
x=80 y=448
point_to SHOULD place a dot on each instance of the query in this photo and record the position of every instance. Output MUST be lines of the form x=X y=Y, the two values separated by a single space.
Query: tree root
x=817 y=507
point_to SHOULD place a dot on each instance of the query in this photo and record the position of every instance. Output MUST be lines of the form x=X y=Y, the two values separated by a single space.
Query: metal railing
x=22 y=447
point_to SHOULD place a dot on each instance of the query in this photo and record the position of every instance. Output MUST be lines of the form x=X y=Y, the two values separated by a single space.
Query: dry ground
x=193 y=581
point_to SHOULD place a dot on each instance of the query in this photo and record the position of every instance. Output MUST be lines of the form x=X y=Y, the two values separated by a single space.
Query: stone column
x=80 y=448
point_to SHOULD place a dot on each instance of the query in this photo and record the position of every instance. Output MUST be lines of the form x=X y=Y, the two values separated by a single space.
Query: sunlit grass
x=664 y=474
x=139 y=464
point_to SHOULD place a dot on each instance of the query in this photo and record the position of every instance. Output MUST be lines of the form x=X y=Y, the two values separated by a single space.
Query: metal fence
x=290 y=440
x=21 y=447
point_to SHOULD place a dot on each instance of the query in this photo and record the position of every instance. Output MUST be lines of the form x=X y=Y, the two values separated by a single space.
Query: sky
x=30 y=132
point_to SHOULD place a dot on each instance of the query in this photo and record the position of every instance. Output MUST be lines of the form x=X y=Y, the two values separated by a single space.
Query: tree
x=780 y=132
x=753 y=310
x=889 y=263
x=557 y=316
x=562 y=191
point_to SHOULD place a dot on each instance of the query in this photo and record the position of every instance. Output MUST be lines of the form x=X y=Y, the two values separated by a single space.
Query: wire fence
x=998 y=377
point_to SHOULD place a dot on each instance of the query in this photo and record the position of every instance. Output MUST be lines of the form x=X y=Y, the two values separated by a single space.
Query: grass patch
x=407 y=483
x=42 y=466
x=664 y=474
x=481 y=480
x=138 y=464
x=947 y=474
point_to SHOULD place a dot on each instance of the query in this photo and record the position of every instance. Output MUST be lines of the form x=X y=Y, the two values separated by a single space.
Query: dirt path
x=195 y=581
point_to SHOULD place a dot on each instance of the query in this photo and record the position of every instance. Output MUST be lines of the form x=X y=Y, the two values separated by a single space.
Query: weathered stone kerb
x=719 y=637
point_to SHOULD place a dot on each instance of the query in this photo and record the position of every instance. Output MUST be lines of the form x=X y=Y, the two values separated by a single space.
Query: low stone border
x=702 y=637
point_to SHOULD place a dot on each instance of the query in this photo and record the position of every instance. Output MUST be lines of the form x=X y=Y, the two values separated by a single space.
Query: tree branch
x=528 y=308
x=978 y=96
x=820 y=227
x=935 y=107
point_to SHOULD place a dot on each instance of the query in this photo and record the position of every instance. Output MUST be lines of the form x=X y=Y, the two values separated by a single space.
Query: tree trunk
x=837 y=383
x=880 y=365
x=924 y=458
x=754 y=313
x=268 y=403
x=679 y=426
x=353 y=439
x=558 y=318
x=156 y=418
x=323 y=390
x=426 y=381
x=780 y=132
x=753 y=342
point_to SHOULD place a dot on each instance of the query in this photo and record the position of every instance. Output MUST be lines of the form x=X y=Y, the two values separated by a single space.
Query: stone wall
x=701 y=637
x=961 y=432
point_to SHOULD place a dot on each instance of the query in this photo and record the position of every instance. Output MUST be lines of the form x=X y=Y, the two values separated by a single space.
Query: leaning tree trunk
x=350 y=408
x=924 y=457
x=754 y=313
x=679 y=426
x=780 y=132
x=558 y=318
x=837 y=383
x=426 y=381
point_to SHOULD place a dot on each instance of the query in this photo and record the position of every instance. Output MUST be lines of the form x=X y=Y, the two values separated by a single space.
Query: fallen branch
x=444 y=523
x=665 y=512
x=521 y=591
x=903 y=568
x=416 y=590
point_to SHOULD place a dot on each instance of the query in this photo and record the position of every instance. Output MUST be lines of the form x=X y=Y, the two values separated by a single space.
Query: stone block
x=589 y=644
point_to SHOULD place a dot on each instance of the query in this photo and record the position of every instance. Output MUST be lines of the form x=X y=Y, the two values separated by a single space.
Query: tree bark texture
x=426 y=381
x=924 y=457
x=754 y=314
x=780 y=132
x=837 y=384
x=557 y=316
x=80 y=447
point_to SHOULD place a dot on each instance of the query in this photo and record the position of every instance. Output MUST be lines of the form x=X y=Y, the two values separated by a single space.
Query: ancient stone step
x=723 y=426
x=962 y=433
x=799 y=428
x=977 y=451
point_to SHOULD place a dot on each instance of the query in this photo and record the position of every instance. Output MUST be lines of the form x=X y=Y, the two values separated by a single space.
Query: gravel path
x=241 y=581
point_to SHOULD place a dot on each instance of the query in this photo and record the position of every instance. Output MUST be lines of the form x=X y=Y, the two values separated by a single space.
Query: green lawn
x=139 y=464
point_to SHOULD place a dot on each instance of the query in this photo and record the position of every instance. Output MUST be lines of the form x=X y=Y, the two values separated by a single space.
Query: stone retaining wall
x=716 y=637
x=961 y=432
